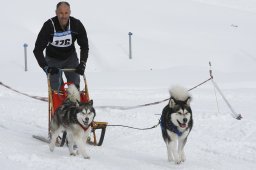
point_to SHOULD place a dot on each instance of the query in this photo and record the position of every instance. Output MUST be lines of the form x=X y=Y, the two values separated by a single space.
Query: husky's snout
x=86 y=121
x=184 y=123
x=185 y=120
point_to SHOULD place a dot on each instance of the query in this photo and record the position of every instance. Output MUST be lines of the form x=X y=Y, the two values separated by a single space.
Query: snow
x=172 y=43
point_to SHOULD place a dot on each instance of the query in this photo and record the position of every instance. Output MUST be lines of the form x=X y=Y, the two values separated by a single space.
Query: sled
x=55 y=99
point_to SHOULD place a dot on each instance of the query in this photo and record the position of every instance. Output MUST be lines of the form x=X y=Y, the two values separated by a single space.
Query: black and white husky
x=75 y=118
x=176 y=123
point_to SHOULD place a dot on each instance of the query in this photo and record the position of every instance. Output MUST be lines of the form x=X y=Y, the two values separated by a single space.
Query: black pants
x=56 y=80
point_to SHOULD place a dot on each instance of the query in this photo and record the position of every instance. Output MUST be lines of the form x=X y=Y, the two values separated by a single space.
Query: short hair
x=62 y=2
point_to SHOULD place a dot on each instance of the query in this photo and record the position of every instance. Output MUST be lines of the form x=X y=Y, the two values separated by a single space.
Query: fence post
x=130 y=45
x=25 y=56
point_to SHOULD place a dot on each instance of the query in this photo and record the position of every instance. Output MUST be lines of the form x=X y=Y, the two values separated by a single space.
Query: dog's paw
x=177 y=162
x=51 y=147
x=87 y=157
x=73 y=154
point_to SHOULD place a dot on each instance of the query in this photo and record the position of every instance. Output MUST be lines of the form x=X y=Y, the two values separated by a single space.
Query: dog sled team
x=76 y=117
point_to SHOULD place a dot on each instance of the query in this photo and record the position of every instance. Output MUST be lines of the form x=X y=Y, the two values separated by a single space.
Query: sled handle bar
x=71 y=70
x=68 y=69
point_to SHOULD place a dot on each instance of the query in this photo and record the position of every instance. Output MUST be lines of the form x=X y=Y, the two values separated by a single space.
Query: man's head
x=63 y=13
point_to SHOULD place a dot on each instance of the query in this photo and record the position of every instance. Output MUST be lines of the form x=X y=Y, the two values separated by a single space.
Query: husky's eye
x=89 y=113
x=179 y=113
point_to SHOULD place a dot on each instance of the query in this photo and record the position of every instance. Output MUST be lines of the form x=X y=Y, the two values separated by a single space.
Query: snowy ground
x=173 y=42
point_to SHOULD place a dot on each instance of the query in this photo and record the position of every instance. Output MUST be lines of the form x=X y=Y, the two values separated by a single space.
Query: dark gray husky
x=75 y=118
x=176 y=123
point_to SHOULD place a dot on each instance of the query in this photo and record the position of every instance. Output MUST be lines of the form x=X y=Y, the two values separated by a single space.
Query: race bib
x=62 y=39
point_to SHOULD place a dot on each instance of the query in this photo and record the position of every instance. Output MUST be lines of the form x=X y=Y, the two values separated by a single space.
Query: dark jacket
x=45 y=37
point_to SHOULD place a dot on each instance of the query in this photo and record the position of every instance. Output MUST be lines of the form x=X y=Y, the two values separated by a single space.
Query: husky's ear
x=188 y=101
x=90 y=102
x=172 y=103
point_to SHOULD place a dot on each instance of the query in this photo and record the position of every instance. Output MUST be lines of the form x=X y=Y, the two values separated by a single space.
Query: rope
x=201 y=83
x=34 y=97
x=216 y=98
x=104 y=107
x=148 y=104
x=116 y=107
x=136 y=127
x=45 y=99
x=131 y=107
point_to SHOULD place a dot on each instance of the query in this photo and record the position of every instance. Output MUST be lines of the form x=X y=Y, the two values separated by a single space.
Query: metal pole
x=25 y=55
x=130 y=45
x=234 y=114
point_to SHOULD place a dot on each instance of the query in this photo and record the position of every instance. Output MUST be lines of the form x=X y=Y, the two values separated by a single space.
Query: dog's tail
x=73 y=93
x=179 y=93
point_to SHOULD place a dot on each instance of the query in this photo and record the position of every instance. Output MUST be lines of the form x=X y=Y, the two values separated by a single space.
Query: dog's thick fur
x=75 y=118
x=176 y=123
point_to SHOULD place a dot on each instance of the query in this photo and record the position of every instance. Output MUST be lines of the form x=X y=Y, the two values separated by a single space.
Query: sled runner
x=56 y=98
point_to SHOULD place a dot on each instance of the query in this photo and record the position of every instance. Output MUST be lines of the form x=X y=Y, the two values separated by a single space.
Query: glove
x=80 y=68
x=51 y=70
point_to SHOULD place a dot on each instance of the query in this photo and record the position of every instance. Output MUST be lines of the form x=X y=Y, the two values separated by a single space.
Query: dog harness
x=74 y=118
x=170 y=126
x=62 y=39
x=84 y=128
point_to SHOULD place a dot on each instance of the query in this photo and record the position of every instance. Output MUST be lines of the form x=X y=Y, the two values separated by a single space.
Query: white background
x=172 y=43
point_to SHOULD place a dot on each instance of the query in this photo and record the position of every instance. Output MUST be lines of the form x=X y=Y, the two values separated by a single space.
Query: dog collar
x=174 y=129
x=85 y=128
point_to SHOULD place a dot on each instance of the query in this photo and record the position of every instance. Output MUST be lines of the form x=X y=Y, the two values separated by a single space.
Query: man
x=57 y=37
